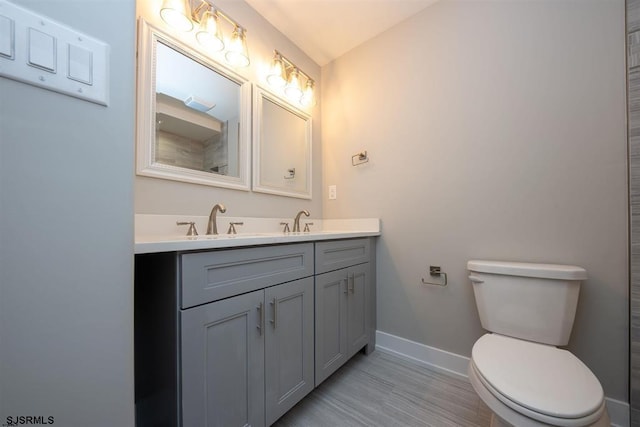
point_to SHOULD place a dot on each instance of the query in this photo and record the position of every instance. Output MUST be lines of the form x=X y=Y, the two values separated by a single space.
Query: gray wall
x=496 y=130
x=66 y=237
x=158 y=196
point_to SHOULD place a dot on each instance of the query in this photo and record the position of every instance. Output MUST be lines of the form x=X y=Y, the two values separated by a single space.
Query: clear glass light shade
x=292 y=90
x=209 y=34
x=237 y=54
x=307 y=99
x=276 y=75
x=176 y=13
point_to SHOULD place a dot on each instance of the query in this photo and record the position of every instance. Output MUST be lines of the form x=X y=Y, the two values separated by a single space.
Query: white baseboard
x=618 y=412
x=456 y=364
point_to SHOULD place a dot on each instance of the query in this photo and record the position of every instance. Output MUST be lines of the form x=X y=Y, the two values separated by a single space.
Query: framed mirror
x=281 y=147
x=193 y=115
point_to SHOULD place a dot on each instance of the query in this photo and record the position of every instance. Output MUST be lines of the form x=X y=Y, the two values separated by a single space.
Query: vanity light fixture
x=237 y=53
x=277 y=73
x=209 y=33
x=307 y=99
x=180 y=15
x=176 y=13
x=292 y=89
x=285 y=74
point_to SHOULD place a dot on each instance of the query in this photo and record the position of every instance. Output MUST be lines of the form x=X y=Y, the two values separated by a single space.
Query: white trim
x=455 y=364
x=431 y=357
x=618 y=412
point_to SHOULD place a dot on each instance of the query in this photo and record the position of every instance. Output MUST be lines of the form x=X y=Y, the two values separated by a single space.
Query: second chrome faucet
x=212 y=226
x=296 y=221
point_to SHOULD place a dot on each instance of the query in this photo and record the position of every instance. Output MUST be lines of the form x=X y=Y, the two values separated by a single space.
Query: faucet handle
x=286 y=227
x=306 y=227
x=192 y=227
x=232 y=227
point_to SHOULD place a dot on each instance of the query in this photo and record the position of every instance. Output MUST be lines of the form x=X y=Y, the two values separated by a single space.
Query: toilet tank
x=535 y=302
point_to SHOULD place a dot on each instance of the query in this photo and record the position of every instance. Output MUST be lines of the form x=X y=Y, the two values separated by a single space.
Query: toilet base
x=503 y=416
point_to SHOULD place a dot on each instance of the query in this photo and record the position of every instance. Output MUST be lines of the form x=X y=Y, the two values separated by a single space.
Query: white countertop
x=158 y=233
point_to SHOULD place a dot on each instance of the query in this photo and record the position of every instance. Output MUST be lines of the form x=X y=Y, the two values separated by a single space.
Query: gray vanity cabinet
x=247 y=357
x=223 y=337
x=288 y=336
x=223 y=363
x=343 y=303
x=236 y=337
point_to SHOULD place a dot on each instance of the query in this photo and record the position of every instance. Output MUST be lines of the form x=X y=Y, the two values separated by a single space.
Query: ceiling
x=326 y=29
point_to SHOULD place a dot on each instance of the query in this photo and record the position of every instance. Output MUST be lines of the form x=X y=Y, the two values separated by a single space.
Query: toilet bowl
x=527 y=384
x=516 y=368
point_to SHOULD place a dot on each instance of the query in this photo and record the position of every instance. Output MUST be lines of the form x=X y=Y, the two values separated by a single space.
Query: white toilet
x=516 y=369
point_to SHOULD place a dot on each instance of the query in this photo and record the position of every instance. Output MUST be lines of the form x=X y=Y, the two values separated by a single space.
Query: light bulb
x=209 y=34
x=307 y=96
x=293 y=90
x=275 y=77
x=238 y=54
x=176 y=13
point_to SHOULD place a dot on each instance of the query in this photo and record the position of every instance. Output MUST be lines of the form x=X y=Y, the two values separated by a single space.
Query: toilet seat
x=539 y=381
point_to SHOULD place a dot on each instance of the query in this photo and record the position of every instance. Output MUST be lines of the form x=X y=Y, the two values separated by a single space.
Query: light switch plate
x=52 y=56
x=333 y=192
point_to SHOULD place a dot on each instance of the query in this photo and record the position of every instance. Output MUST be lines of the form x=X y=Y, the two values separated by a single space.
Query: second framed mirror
x=281 y=147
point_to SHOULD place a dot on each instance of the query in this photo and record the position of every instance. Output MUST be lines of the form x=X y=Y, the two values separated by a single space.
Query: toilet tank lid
x=545 y=271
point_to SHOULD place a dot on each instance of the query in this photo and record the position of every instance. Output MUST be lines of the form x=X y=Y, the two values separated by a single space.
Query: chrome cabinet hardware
x=274 y=321
x=260 y=325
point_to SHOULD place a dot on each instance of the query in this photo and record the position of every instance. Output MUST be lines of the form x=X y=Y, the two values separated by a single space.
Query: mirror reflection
x=282 y=148
x=193 y=115
x=197 y=115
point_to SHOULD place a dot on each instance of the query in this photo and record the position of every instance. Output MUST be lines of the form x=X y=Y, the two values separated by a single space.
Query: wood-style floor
x=384 y=390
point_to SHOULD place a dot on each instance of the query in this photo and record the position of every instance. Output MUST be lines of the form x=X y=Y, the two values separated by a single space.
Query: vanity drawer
x=210 y=276
x=337 y=254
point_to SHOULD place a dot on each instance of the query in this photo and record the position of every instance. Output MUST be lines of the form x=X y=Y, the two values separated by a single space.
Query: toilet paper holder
x=435 y=271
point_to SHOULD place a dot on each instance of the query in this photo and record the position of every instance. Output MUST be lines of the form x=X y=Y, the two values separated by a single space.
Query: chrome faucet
x=212 y=227
x=296 y=221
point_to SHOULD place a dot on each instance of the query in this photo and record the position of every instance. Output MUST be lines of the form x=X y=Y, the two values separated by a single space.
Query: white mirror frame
x=259 y=94
x=148 y=38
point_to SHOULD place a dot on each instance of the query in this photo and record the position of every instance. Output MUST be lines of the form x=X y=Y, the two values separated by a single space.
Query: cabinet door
x=331 y=318
x=357 y=306
x=288 y=346
x=223 y=363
